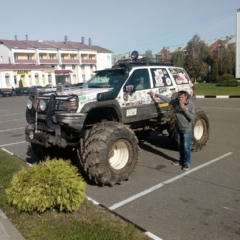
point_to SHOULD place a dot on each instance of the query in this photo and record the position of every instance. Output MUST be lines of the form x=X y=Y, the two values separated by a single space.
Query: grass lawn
x=89 y=222
x=211 y=89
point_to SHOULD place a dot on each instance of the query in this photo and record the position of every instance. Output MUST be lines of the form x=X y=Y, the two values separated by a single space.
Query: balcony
x=70 y=61
x=48 y=61
x=25 y=61
x=88 y=61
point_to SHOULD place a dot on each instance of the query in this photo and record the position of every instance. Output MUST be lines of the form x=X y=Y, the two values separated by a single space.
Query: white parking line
x=12 y=120
x=151 y=235
x=12 y=114
x=9 y=144
x=12 y=129
x=7 y=151
x=119 y=204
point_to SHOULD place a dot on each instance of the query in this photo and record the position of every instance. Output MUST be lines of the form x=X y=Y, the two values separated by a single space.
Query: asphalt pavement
x=201 y=203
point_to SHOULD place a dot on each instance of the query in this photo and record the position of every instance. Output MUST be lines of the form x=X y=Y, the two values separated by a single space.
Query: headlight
x=42 y=105
x=29 y=104
x=73 y=103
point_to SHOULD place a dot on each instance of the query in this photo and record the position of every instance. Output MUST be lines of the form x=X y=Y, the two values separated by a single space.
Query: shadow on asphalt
x=154 y=143
x=160 y=141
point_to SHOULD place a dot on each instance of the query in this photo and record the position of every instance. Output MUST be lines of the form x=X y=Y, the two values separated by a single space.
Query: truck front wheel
x=109 y=153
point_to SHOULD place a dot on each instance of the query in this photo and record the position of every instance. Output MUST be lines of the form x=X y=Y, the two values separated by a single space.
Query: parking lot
x=168 y=203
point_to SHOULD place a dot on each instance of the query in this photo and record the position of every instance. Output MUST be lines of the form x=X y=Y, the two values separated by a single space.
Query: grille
x=59 y=104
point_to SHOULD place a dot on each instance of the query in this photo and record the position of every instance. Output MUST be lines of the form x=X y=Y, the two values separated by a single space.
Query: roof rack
x=134 y=61
x=128 y=63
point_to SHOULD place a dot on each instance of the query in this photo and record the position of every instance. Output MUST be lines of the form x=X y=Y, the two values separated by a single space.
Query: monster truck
x=101 y=123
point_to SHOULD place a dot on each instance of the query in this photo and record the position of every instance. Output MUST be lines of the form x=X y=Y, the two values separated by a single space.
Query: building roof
x=40 y=44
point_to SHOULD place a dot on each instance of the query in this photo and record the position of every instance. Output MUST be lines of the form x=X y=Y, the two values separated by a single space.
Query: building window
x=73 y=67
x=63 y=66
x=36 y=79
x=40 y=56
x=51 y=56
x=29 y=57
x=7 y=79
x=62 y=56
x=15 y=56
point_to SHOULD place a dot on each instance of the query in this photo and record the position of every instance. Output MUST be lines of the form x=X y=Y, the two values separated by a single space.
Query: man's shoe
x=177 y=163
x=186 y=167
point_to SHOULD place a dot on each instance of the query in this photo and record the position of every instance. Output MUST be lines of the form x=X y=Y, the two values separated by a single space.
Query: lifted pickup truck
x=102 y=122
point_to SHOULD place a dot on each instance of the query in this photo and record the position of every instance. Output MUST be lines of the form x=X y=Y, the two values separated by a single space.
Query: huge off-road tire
x=200 y=129
x=109 y=153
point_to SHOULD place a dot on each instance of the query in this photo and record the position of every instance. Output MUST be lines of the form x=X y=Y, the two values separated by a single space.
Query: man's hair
x=185 y=93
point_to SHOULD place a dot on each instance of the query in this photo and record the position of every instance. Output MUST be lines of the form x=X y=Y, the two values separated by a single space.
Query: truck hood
x=85 y=95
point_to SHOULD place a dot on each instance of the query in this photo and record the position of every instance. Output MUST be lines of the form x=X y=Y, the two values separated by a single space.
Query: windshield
x=106 y=79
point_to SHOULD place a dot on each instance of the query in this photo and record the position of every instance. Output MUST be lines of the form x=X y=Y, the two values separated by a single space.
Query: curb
x=216 y=96
x=7 y=230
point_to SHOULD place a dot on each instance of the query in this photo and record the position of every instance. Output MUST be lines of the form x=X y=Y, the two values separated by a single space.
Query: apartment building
x=50 y=62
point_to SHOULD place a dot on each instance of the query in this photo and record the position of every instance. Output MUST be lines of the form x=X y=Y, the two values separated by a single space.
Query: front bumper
x=58 y=131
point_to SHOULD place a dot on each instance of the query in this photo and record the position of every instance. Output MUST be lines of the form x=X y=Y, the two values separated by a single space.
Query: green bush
x=226 y=77
x=49 y=185
x=227 y=83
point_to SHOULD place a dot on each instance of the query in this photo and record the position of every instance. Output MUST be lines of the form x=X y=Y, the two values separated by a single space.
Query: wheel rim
x=199 y=129
x=119 y=155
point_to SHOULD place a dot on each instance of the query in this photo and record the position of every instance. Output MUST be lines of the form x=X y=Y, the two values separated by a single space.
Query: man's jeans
x=184 y=143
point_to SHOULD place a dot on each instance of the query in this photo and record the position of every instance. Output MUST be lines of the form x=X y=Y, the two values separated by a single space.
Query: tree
x=20 y=83
x=215 y=75
x=148 y=57
x=197 y=58
x=178 y=58
x=229 y=60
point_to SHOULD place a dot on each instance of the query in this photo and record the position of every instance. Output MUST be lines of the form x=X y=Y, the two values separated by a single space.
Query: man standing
x=185 y=114
x=13 y=92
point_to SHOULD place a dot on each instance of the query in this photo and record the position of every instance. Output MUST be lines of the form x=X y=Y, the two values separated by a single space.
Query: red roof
x=69 y=45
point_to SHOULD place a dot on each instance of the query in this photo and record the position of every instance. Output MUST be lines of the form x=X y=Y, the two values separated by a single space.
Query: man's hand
x=182 y=104
x=182 y=99
x=151 y=93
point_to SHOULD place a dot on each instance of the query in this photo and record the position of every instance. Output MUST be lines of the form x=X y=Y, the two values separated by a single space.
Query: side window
x=139 y=79
x=179 y=75
x=160 y=77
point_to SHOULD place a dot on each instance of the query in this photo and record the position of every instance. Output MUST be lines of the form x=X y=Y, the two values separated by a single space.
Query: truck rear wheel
x=200 y=129
x=109 y=153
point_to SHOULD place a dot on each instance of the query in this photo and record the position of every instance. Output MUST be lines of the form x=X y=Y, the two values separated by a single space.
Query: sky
x=119 y=26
